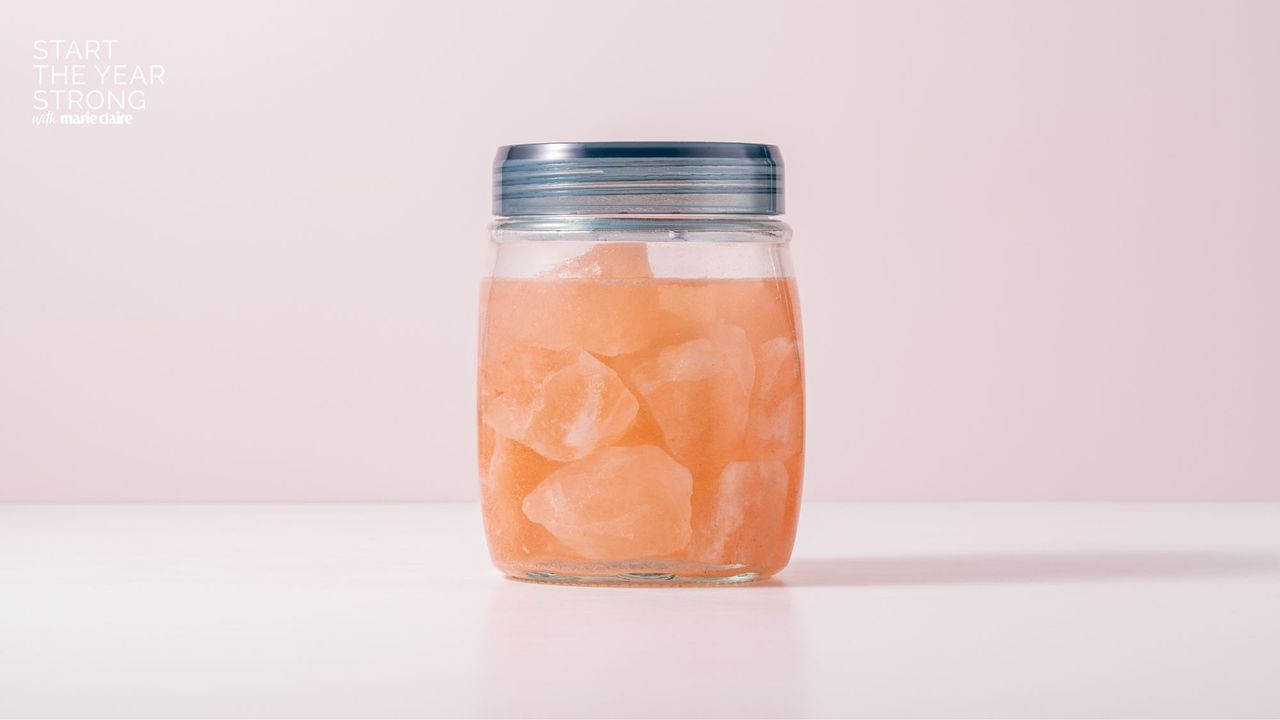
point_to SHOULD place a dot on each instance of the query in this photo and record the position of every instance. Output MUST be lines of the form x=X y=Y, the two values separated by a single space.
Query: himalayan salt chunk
x=487 y=441
x=567 y=412
x=619 y=503
x=746 y=517
x=512 y=473
x=605 y=317
x=731 y=342
x=698 y=393
x=775 y=428
x=690 y=304
x=612 y=260
x=764 y=308
x=507 y=365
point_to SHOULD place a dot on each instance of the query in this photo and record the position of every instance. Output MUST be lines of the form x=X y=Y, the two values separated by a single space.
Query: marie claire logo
x=80 y=82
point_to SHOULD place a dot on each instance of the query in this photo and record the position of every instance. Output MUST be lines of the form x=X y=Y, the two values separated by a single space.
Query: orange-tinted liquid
x=633 y=425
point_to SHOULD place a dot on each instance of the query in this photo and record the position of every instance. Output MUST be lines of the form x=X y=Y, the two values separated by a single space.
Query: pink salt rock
x=698 y=392
x=612 y=260
x=567 y=405
x=608 y=318
x=509 y=366
x=775 y=428
x=689 y=303
x=745 y=518
x=619 y=503
x=764 y=308
x=597 y=301
x=512 y=473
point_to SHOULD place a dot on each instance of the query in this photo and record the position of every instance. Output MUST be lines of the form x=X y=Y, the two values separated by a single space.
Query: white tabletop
x=887 y=610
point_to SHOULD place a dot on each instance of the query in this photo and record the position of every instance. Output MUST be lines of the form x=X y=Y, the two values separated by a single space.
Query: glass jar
x=641 y=395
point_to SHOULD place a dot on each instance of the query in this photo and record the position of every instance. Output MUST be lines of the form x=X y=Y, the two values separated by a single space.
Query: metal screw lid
x=653 y=178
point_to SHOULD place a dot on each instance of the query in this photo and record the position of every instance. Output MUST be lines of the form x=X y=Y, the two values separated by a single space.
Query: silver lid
x=651 y=178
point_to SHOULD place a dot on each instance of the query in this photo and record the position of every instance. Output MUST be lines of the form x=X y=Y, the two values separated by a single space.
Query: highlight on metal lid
x=651 y=178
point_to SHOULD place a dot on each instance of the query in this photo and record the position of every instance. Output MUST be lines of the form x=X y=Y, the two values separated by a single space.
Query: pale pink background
x=1037 y=242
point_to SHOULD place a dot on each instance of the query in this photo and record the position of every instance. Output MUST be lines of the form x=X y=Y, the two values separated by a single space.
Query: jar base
x=636 y=579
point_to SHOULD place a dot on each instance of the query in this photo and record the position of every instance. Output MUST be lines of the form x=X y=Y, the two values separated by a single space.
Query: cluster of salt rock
x=631 y=417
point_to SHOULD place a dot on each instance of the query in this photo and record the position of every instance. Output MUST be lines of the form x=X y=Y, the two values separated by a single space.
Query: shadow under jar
x=641 y=391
